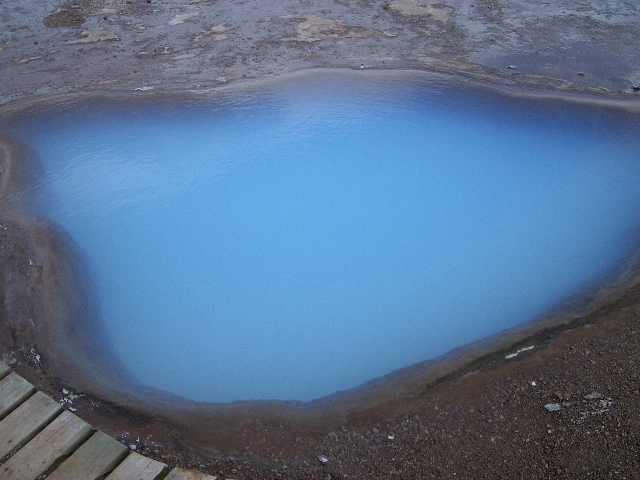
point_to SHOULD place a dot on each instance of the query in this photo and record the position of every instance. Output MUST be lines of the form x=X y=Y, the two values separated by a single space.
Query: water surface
x=294 y=241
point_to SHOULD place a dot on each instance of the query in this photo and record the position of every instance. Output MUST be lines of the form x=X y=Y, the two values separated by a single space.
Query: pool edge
x=54 y=306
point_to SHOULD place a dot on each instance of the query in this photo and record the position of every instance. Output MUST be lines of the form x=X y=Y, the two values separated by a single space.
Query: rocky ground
x=568 y=408
x=131 y=45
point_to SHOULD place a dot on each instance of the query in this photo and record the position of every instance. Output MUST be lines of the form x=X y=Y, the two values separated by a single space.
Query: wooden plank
x=97 y=456
x=137 y=467
x=59 y=438
x=182 y=474
x=4 y=370
x=26 y=421
x=13 y=391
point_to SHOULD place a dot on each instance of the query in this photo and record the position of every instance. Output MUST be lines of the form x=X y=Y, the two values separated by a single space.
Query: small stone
x=222 y=28
x=178 y=19
x=132 y=447
x=323 y=460
x=594 y=396
x=375 y=430
x=94 y=35
x=553 y=407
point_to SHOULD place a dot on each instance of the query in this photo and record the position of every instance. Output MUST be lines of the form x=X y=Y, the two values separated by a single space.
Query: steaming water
x=299 y=240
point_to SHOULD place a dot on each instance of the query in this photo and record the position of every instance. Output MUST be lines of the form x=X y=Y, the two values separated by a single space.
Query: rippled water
x=293 y=241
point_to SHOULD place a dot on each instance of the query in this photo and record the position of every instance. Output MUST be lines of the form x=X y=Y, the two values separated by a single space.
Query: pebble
x=594 y=396
x=178 y=19
x=323 y=460
x=553 y=407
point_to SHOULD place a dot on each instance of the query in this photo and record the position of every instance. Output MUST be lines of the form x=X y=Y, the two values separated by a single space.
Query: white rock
x=94 y=35
x=553 y=407
x=594 y=396
x=219 y=28
x=513 y=355
x=182 y=18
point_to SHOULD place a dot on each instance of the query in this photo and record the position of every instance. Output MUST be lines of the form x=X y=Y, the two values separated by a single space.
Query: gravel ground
x=569 y=408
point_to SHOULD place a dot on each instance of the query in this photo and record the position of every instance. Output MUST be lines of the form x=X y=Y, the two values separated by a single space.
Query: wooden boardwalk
x=38 y=436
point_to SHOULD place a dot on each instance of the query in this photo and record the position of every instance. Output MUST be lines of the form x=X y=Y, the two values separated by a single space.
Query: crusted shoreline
x=58 y=333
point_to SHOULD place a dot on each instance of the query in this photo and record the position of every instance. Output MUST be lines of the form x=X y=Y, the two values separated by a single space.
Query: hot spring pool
x=302 y=238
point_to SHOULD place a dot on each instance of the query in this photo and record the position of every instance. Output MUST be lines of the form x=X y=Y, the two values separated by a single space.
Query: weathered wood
x=97 y=456
x=137 y=467
x=4 y=369
x=59 y=438
x=23 y=427
x=26 y=421
x=13 y=391
x=182 y=474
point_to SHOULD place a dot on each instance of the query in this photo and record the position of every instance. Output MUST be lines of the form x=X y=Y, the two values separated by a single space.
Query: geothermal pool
x=299 y=239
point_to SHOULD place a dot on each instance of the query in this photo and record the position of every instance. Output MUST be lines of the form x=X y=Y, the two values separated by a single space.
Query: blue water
x=302 y=239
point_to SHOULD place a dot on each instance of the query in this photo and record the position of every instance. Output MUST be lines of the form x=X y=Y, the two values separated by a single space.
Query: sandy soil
x=487 y=420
